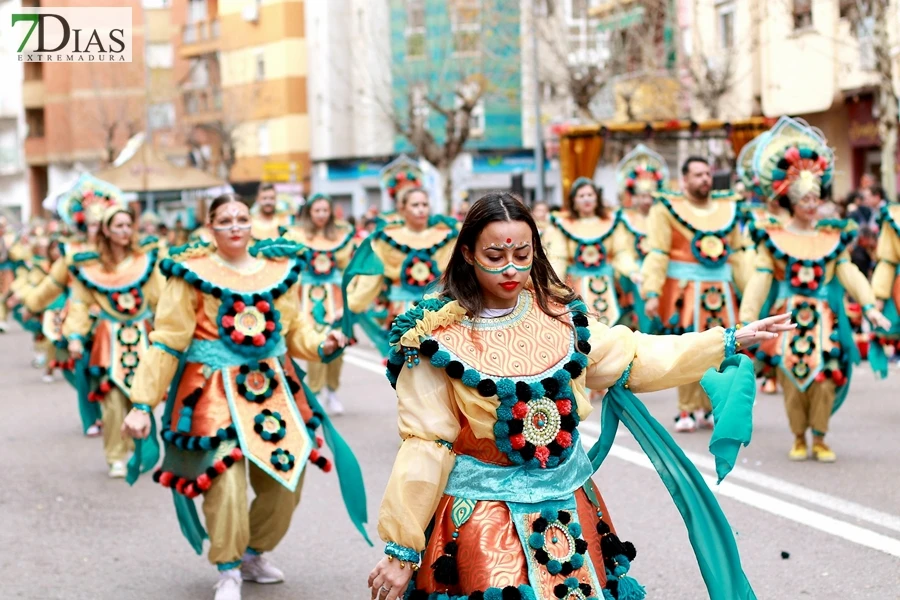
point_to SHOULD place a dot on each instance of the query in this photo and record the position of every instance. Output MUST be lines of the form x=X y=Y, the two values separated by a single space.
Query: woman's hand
x=389 y=579
x=76 y=349
x=12 y=301
x=651 y=307
x=636 y=278
x=334 y=340
x=877 y=319
x=764 y=329
x=136 y=424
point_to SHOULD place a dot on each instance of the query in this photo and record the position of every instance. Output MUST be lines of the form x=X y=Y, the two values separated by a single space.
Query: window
x=160 y=55
x=726 y=26
x=582 y=30
x=34 y=71
x=415 y=28
x=262 y=138
x=161 y=116
x=198 y=76
x=260 y=66
x=547 y=91
x=34 y=118
x=802 y=14
x=196 y=11
x=465 y=22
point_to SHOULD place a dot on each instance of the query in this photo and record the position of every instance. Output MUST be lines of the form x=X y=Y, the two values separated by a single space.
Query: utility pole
x=538 y=134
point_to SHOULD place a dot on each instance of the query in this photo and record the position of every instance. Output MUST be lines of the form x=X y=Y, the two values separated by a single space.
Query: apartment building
x=14 y=194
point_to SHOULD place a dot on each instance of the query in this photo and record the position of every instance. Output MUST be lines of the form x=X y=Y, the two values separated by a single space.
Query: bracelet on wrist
x=142 y=407
x=731 y=343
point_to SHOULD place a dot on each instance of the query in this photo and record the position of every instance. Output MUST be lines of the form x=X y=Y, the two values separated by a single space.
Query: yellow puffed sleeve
x=757 y=290
x=364 y=289
x=656 y=263
x=742 y=258
x=343 y=256
x=302 y=339
x=853 y=280
x=556 y=246
x=176 y=319
x=427 y=415
x=49 y=289
x=888 y=258
x=154 y=287
x=657 y=362
x=78 y=319
x=624 y=254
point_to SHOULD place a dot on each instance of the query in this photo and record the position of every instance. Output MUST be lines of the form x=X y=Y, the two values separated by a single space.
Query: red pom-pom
x=259 y=340
x=179 y=485
x=792 y=154
x=270 y=325
x=319 y=441
x=517 y=441
x=820 y=377
x=203 y=482
x=542 y=454
x=795 y=281
x=327 y=466
x=236 y=454
x=237 y=337
x=519 y=410
x=817 y=270
x=314 y=456
x=220 y=467
x=564 y=439
x=79 y=217
x=813 y=285
x=115 y=295
x=401 y=176
x=190 y=490
x=105 y=386
x=227 y=321
x=564 y=407
x=262 y=306
x=239 y=306
x=165 y=478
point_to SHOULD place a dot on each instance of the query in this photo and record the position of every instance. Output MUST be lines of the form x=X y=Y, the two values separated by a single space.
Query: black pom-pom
x=515 y=426
x=454 y=369
x=613 y=586
x=630 y=551
x=539 y=525
x=510 y=593
x=527 y=451
x=555 y=449
x=523 y=391
x=445 y=570
x=573 y=368
x=567 y=423
x=541 y=556
x=585 y=589
x=579 y=320
x=394 y=368
x=451 y=548
x=551 y=386
x=581 y=546
x=602 y=527
x=419 y=595
x=563 y=517
x=211 y=472
x=566 y=569
x=156 y=475
x=473 y=596
x=216 y=292
x=245 y=369
x=428 y=348
x=487 y=388
x=294 y=385
x=783 y=164
x=584 y=347
x=610 y=545
x=814 y=156
x=561 y=590
x=228 y=460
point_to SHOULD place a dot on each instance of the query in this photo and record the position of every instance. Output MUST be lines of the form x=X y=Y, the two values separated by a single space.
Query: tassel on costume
x=445 y=566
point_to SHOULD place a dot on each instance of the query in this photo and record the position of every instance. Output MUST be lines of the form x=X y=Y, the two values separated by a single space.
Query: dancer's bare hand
x=877 y=319
x=651 y=307
x=764 y=329
x=334 y=340
x=388 y=579
x=136 y=425
x=76 y=349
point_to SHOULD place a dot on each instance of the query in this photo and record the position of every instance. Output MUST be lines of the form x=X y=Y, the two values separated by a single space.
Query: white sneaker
x=118 y=470
x=685 y=423
x=229 y=585
x=703 y=419
x=39 y=361
x=2 y=327
x=47 y=378
x=93 y=431
x=332 y=404
x=256 y=568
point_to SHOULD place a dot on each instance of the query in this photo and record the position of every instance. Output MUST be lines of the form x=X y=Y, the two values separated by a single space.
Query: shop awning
x=146 y=171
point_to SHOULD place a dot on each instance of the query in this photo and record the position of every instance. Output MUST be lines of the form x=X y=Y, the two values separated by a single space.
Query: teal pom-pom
x=527 y=592
x=778 y=174
x=554 y=567
x=471 y=377
x=504 y=446
x=537 y=390
x=506 y=388
x=607 y=595
x=536 y=540
x=205 y=443
x=805 y=152
x=184 y=423
x=442 y=597
x=622 y=565
x=575 y=529
x=95 y=371
x=563 y=377
x=501 y=430
x=549 y=514
x=206 y=287
x=440 y=359
x=191 y=277
x=493 y=593
x=504 y=413
x=581 y=359
x=572 y=582
x=630 y=589
x=583 y=334
x=577 y=561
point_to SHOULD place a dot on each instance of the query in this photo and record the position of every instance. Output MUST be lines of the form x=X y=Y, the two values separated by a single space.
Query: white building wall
x=14 y=195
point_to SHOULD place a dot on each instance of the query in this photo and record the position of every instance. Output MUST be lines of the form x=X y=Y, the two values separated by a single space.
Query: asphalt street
x=804 y=530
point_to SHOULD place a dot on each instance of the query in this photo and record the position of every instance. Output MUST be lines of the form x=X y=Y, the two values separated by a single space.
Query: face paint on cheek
x=498 y=270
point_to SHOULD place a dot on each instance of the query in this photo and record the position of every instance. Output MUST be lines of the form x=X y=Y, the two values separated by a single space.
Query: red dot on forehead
x=508 y=240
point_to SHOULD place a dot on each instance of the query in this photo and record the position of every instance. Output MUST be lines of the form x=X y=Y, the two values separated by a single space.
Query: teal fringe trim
x=229 y=565
x=402 y=552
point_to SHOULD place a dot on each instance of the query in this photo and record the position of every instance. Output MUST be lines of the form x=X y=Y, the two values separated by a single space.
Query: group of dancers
x=497 y=332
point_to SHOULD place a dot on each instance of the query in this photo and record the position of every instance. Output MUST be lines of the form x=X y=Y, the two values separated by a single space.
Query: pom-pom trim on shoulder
x=190 y=250
x=277 y=249
x=422 y=319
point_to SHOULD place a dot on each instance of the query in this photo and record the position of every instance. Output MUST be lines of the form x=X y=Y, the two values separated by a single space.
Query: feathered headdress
x=87 y=201
x=641 y=171
x=792 y=160
x=400 y=174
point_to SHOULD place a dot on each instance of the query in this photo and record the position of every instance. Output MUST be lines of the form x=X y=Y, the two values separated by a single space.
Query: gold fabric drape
x=578 y=157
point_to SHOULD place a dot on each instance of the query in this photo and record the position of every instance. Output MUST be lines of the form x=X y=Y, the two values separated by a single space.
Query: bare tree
x=870 y=18
x=116 y=111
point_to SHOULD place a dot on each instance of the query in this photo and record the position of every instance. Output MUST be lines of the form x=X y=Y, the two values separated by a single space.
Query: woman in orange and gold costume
x=491 y=494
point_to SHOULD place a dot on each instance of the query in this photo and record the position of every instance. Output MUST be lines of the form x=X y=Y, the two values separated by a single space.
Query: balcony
x=36 y=151
x=33 y=93
x=199 y=37
x=202 y=105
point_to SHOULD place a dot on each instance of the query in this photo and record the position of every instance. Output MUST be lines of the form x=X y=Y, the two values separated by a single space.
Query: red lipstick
x=509 y=285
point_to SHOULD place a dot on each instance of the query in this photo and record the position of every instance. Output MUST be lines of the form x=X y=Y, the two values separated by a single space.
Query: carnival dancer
x=410 y=255
x=33 y=267
x=697 y=264
x=329 y=244
x=7 y=268
x=227 y=322
x=267 y=218
x=640 y=174
x=491 y=490
x=583 y=249
x=886 y=279
x=803 y=267
x=122 y=279
x=395 y=179
x=540 y=212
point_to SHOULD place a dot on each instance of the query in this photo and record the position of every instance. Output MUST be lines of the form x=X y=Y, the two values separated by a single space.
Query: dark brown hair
x=104 y=246
x=265 y=187
x=306 y=217
x=459 y=282
x=222 y=200
x=600 y=210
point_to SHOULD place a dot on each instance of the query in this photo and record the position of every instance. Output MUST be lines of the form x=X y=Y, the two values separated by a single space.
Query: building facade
x=15 y=201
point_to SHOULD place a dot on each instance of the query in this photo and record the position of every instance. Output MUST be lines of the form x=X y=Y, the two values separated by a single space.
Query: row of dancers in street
x=495 y=333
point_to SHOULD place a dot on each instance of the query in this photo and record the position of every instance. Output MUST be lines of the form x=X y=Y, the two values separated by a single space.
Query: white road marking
x=771 y=504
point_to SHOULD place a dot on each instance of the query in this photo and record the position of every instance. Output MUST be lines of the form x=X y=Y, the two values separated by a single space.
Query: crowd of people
x=498 y=329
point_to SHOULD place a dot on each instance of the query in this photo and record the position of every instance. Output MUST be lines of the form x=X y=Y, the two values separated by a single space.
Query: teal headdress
x=641 y=171
x=792 y=160
x=86 y=201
